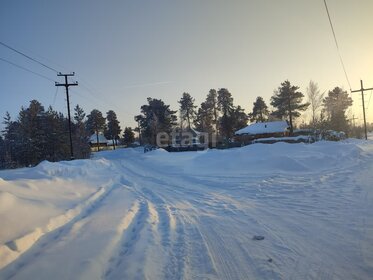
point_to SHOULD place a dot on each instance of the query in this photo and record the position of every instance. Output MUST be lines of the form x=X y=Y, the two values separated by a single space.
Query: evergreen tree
x=12 y=142
x=288 y=103
x=95 y=123
x=128 y=136
x=113 y=128
x=225 y=104
x=204 y=119
x=213 y=108
x=260 y=111
x=138 y=119
x=33 y=134
x=187 y=108
x=7 y=147
x=156 y=117
x=81 y=137
x=2 y=153
x=37 y=135
x=57 y=142
x=239 y=118
x=335 y=106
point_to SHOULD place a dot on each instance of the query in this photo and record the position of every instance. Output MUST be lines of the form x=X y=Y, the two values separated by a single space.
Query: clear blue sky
x=126 y=51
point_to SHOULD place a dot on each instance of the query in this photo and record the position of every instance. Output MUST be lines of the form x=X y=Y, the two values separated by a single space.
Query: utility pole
x=67 y=85
x=362 y=89
x=353 y=120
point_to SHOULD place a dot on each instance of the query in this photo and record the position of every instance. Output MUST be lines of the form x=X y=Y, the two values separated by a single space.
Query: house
x=186 y=137
x=102 y=141
x=260 y=130
x=186 y=140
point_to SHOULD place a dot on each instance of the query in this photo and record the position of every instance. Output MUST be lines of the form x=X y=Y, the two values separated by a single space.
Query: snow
x=264 y=127
x=195 y=215
x=300 y=138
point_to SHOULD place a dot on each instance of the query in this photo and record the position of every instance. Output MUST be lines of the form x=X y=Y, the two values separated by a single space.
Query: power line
x=29 y=57
x=336 y=44
x=25 y=69
x=55 y=95
x=87 y=89
x=369 y=99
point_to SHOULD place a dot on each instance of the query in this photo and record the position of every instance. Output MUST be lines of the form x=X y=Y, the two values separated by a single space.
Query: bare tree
x=315 y=99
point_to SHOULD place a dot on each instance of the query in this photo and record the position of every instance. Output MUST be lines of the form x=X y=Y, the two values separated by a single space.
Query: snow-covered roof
x=101 y=139
x=264 y=127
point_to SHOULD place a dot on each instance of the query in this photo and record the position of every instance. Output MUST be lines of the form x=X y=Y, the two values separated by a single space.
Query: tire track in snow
x=126 y=246
x=172 y=236
x=170 y=232
x=186 y=249
x=50 y=238
x=170 y=227
x=188 y=254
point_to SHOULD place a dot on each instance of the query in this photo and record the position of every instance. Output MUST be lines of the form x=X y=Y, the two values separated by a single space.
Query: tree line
x=219 y=116
x=38 y=134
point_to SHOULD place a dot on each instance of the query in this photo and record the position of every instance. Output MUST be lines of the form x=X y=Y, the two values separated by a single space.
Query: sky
x=125 y=51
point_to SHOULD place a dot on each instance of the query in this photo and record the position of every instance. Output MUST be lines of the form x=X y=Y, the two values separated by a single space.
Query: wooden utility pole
x=67 y=85
x=362 y=89
x=353 y=120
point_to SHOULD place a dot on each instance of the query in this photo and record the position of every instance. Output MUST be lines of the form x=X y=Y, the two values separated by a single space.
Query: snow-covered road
x=194 y=215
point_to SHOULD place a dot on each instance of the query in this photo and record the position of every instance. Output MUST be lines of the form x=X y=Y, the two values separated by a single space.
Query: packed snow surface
x=281 y=211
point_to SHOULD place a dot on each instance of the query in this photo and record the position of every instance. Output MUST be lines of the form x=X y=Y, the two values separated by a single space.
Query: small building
x=102 y=141
x=259 y=130
x=186 y=137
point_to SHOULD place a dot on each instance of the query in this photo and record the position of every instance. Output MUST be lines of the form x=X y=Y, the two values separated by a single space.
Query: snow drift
x=160 y=215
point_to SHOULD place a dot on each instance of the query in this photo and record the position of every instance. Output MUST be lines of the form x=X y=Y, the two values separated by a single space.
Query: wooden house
x=260 y=130
x=102 y=141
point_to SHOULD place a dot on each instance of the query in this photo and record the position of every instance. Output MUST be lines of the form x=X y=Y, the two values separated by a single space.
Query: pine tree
x=335 y=106
x=113 y=128
x=81 y=137
x=155 y=117
x=212 y=106
x=128 y=136
x=204 y=119
x=239 y=118
x=95 y=123
x=33 y=134
x=56 y=147
x=2 y=153
x=13 y=142
x=7 y=141
x=260 y=111
x=288 y=103
x=187 y=108
x=225 y=105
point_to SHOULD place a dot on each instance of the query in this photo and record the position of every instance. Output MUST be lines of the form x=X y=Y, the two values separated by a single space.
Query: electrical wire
x=336 y=44
x=96 y=94
x=369 y=99
x=55 y=95
x=26 y=69
x=29 y=57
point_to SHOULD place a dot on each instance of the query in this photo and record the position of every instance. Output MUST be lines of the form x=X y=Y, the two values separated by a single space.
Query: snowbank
x=128 y=215
x=276 y=158
x=35 y=201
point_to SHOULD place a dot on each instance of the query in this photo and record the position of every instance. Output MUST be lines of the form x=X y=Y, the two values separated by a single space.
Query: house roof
x=101 y=139
x=186 y=130
x=264 y=127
